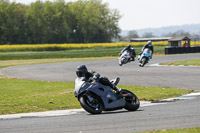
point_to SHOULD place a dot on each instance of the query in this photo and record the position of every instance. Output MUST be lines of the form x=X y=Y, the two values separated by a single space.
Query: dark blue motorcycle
x=95 y=97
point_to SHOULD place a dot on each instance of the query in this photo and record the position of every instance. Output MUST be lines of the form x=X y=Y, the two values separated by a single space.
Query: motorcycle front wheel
x=143 y=62
x=91 y=105
x=120 y=62
x=132 y=102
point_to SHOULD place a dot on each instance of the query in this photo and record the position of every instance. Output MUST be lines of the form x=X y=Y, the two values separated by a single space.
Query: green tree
x=56 y=19
x=133 y=34
x=148 y=35
x=95 y=22
x=83 y=21
x=12 y=22
x=34 y=23
x=3 y=28
x=48 y=22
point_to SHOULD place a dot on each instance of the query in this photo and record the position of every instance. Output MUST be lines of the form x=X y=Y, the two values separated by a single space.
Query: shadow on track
x=116 y=112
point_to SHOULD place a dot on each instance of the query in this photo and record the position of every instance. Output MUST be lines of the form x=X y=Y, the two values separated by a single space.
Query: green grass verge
x=8 y=63
x=193 y=62
x=20 y=96
x=155 y=93
x=186 y=130
x=71 y=53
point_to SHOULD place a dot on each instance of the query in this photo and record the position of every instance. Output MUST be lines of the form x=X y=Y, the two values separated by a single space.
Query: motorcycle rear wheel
x=132 y=102
x=93 y=107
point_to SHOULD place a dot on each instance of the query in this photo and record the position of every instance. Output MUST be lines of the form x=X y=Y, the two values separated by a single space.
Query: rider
x=148 y=45
x=130 y=50
x=82 y=71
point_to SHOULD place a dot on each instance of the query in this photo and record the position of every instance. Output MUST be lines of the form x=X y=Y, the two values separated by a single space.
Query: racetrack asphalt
x=180 y=114
x=130 y=74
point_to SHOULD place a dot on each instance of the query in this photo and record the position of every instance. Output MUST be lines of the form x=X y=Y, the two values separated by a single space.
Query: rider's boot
x=118 y=93
x=132 y=58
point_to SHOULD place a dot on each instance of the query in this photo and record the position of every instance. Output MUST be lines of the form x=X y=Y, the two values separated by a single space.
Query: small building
x=180 y=45
x=177 y=41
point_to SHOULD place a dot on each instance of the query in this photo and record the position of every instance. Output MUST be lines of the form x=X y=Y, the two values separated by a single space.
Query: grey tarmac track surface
x=130 y=74
x=179 y=114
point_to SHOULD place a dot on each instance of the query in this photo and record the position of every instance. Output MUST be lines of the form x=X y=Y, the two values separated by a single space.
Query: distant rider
x=82 y=71
x=131 y=52
x=148 y=45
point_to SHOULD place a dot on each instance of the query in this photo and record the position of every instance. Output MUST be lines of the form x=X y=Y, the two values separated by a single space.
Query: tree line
x=83 y=21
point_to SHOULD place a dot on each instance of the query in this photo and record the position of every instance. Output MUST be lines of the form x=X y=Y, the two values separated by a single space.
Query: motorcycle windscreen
x=125 y=53
x=147 y=52
x=81 y=85
x=78 y=83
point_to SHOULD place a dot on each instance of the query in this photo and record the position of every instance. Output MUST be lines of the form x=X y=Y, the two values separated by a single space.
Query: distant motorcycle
x=145 y=57
x=95 y=97
x=125 y=57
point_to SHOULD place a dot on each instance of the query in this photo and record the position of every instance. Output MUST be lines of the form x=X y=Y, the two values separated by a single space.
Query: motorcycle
x=125 y=57
x=95 y=97
x=145 y=57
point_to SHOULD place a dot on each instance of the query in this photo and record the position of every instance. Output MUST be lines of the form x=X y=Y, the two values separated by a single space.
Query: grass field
x=21 y=96
x=59 y=47
x=194 y=62
x=71 y=53
x=8 y=63
x=186 y=130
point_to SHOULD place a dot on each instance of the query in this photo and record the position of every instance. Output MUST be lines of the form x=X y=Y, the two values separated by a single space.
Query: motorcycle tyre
x=131 y=105
x=120 y=63
x=143 y=62
x=88 y=108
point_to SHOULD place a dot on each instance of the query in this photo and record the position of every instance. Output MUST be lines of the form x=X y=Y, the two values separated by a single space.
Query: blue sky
x=138 y=14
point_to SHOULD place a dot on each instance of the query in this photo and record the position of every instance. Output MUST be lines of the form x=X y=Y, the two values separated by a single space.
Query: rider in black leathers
x=130 y=50
x=82 y=71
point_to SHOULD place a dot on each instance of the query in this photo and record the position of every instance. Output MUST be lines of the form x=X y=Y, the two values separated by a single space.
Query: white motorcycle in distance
x=125 y=57
x=145 y=57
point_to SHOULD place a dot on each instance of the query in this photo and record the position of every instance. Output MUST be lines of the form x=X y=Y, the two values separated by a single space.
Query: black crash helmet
x=128 y=46
x=81 y=71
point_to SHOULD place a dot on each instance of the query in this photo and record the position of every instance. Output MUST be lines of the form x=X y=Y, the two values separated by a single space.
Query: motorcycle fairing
x=108 y=97
x=146 y=53
x=80 y=86
x=106 y=93
x=125 y=56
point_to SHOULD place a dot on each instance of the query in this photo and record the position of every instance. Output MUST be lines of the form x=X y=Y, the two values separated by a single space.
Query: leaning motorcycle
x=124 y=58
x=145 y=57
x=95 y=97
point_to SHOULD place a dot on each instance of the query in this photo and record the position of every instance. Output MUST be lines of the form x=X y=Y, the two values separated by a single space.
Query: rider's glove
x=92 y=72
x=96 y=76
